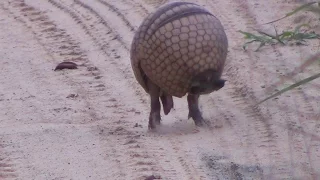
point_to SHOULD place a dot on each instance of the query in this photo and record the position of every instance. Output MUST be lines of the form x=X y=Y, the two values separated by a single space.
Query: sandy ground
x=91 y=123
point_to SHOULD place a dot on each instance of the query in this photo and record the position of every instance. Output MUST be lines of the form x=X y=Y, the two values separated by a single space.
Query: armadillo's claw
x=196 y=116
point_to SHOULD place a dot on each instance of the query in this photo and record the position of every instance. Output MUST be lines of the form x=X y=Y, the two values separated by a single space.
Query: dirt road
x=91 y=122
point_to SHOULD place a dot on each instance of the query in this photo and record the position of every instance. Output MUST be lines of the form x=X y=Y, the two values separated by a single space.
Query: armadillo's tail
x=167 y=103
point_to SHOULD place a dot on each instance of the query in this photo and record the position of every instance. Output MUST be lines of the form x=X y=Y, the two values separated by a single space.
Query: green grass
x=262 y=39
x=295 y=36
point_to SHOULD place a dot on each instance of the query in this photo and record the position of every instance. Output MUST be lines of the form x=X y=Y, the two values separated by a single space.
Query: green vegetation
x=296 y=36
x=284 y=38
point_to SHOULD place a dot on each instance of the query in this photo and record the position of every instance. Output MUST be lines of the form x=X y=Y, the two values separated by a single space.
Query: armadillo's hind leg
x=154 y=117
x=194 y=112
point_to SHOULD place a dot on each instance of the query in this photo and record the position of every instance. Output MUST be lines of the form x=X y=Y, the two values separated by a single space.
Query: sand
x=91 y=122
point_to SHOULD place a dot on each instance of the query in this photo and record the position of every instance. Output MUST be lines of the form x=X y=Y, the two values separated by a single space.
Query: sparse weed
x=296 y=36
x=262 y=39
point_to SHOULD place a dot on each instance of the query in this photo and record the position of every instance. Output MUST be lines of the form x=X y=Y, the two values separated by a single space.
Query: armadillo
x=179 y=49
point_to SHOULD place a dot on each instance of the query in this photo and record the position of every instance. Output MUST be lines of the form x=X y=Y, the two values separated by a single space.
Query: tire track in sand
x=119 y=14
x=7 y=166
x=282 y=165
x=299 y=114
x=60 y=47
x=143 y=11
x=58 y=44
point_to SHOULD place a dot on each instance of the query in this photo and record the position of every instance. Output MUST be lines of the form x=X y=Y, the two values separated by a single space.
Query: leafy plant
x=256 y=38
x=287 y=36
x=297 y=35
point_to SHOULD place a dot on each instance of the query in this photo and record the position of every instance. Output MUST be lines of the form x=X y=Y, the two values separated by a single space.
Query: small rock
x=100 y=85
x=72 y=96
x=152 y=177
x=92 y=68
x=130 y=142
x=137 y=125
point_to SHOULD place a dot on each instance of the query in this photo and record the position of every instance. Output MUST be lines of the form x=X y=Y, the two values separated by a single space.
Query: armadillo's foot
x=154 y=120
x=194 y=112
x=154 y=117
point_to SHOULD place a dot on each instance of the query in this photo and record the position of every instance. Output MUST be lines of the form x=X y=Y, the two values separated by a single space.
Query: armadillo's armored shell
x=175 y=43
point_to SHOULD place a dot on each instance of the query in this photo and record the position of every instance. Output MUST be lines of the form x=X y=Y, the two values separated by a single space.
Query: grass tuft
x=263 y=40
x=296 y=36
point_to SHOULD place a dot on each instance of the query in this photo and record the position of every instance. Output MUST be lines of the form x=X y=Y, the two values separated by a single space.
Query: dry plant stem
x=304 y=6
x=297 y=70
